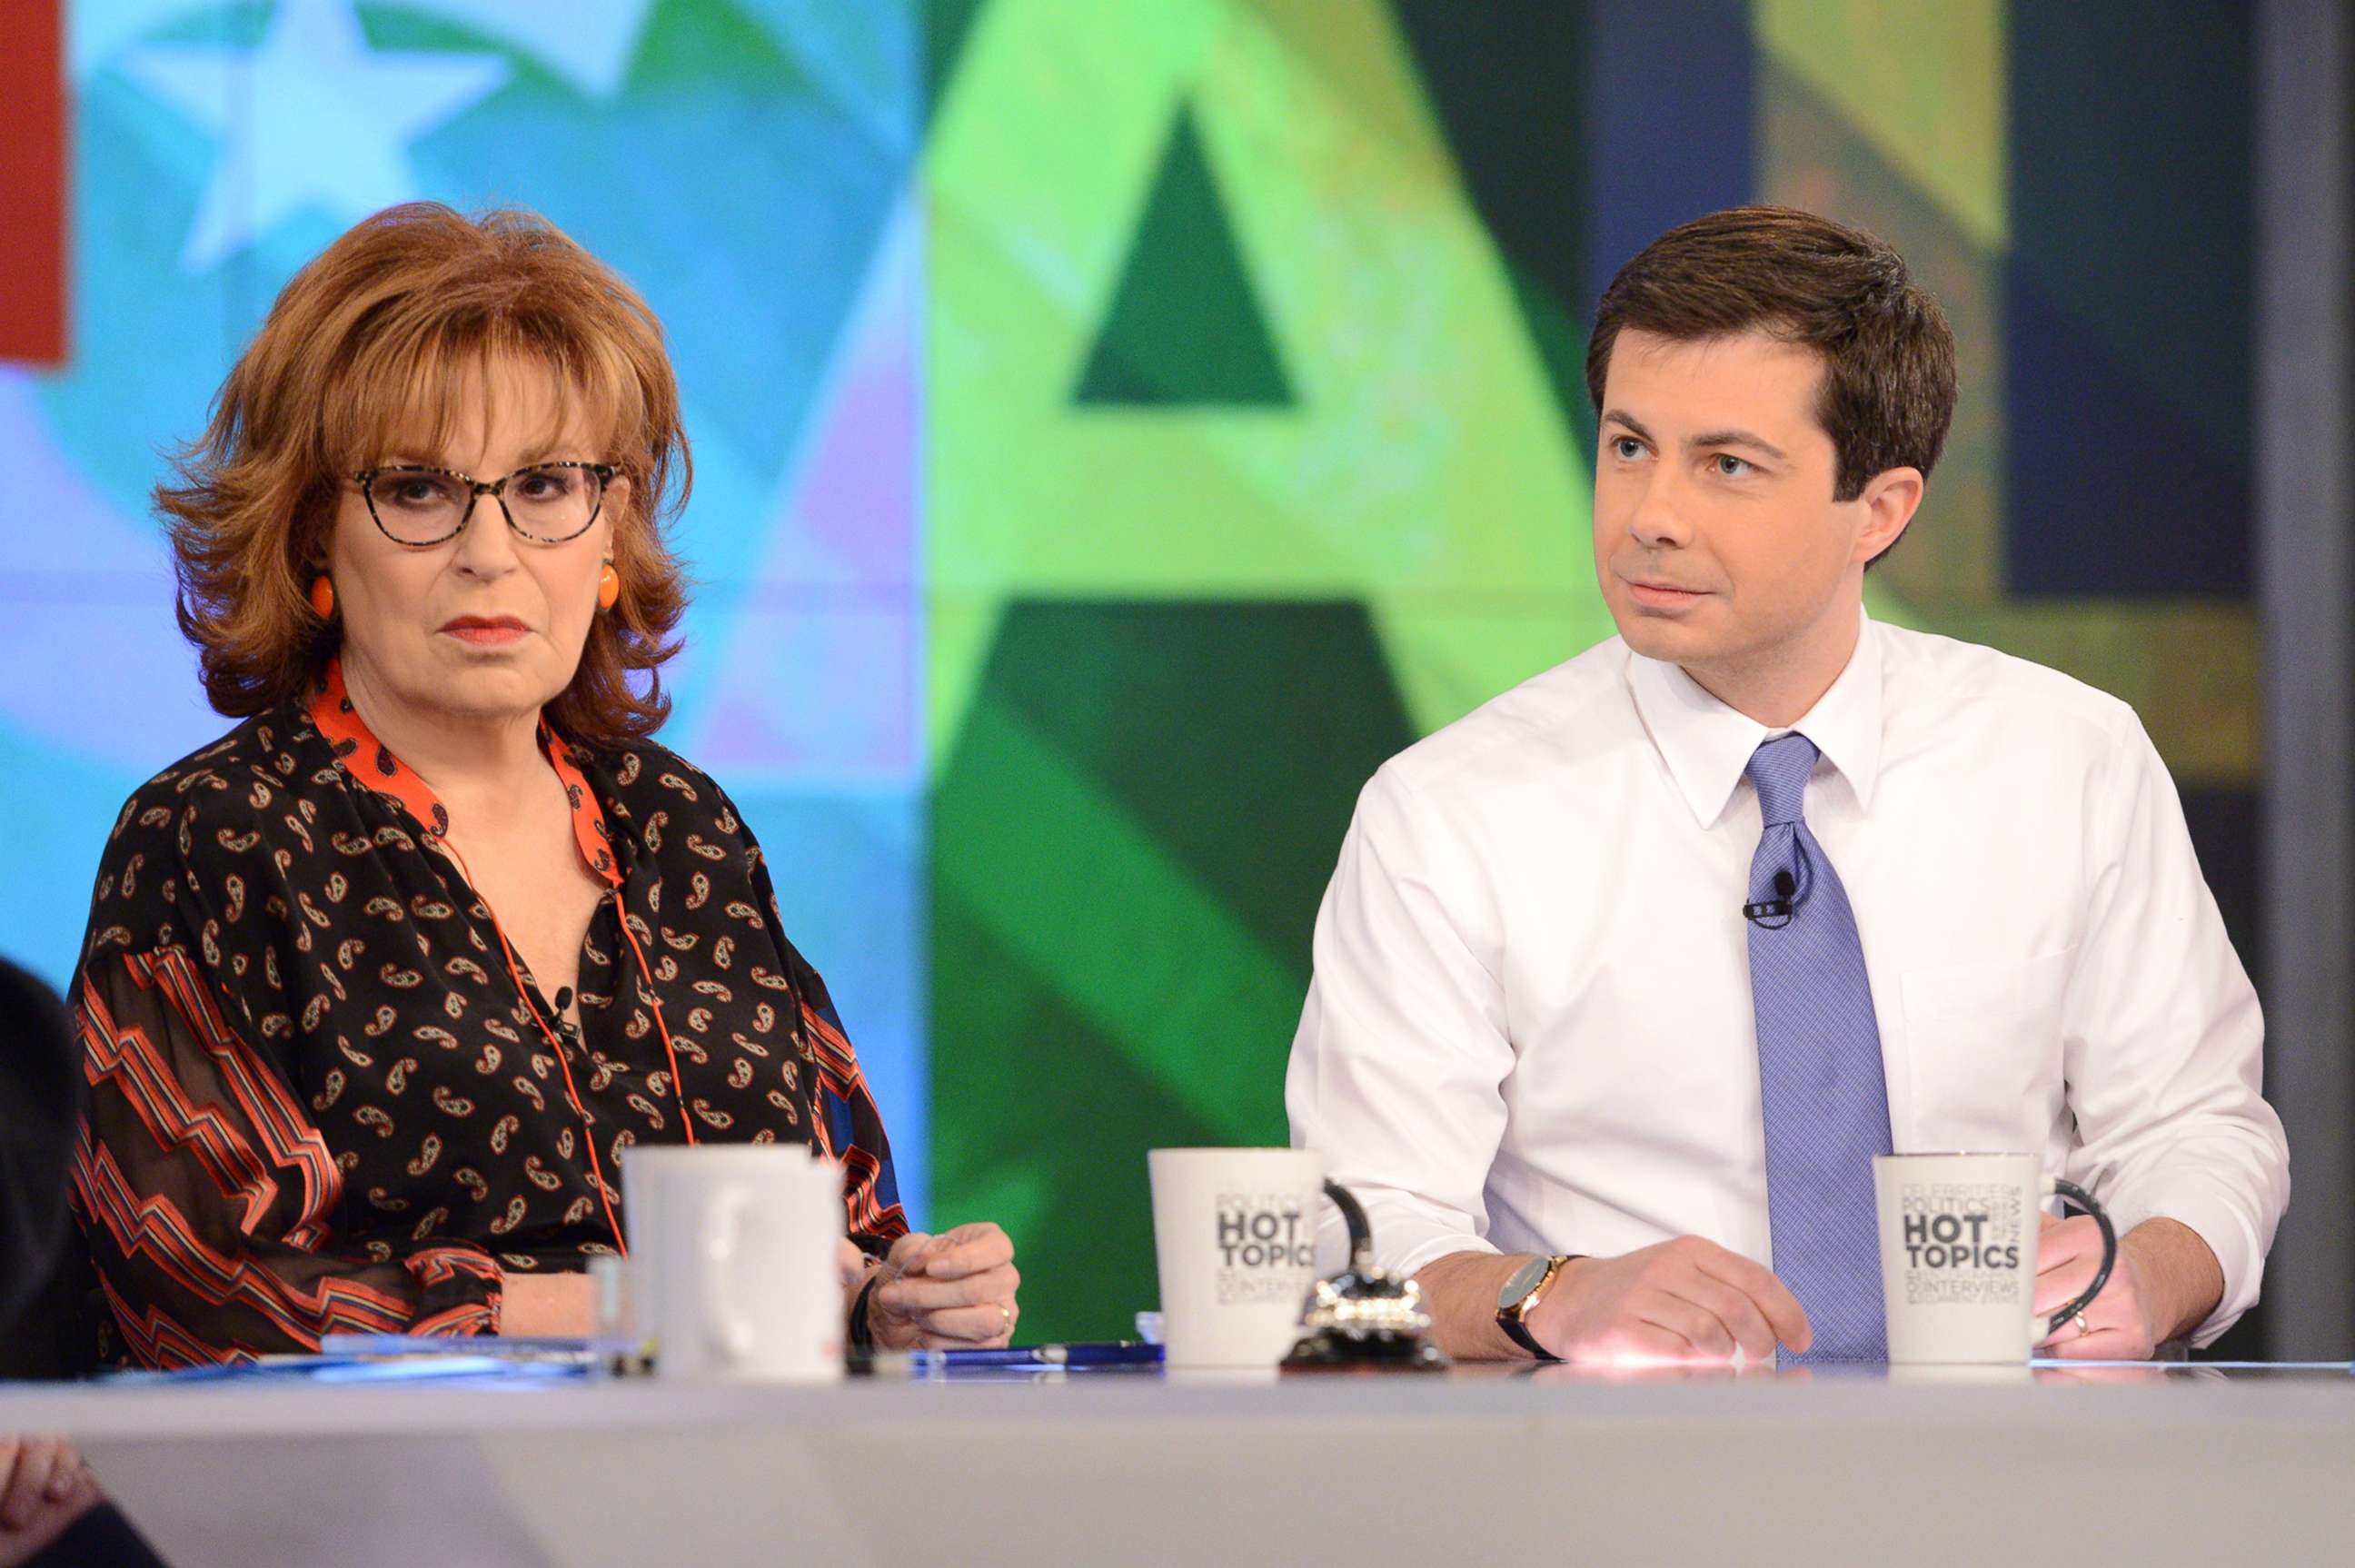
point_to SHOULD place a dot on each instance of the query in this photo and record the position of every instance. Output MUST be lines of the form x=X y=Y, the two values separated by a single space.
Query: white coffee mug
x=733 y=1261
x=1959 y=1237
x=1234 y=1232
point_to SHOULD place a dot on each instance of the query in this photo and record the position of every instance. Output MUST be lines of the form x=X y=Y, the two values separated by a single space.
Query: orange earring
x=322 y=596
x=609 y=587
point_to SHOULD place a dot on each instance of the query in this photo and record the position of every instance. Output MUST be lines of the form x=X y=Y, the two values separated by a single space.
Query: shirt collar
x=1706 y=744
x=370 y=763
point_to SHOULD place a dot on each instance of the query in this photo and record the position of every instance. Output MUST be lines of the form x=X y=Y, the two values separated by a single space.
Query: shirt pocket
x=1984 y=1045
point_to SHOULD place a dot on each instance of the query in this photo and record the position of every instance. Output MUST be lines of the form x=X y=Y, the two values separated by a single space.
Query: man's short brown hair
x=367 y=348
x=1887 y=391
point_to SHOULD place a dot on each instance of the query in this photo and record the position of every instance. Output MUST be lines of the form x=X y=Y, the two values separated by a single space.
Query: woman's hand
x=562 y=1305
x=949 y=1292
x=850 y=1269
x=43 y=1487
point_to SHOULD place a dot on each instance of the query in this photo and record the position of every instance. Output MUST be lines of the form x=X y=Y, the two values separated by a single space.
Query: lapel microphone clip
x=1775 y=913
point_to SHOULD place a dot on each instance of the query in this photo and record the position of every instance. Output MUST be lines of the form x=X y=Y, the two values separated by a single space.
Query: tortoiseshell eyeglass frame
x=495 y=488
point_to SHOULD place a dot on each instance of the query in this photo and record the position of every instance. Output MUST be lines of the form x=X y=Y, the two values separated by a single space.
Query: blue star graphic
x=311 y=119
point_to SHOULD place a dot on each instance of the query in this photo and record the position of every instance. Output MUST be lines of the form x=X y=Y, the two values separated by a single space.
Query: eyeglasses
x=547 y=503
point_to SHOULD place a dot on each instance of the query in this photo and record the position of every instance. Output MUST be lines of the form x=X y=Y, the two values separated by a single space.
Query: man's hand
x=1685 y=1300
x=2165 y=1284
x=953 y=1291
x=43 y=1487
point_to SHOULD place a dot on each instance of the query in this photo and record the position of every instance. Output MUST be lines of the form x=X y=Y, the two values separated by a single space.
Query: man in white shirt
x=1623 y=978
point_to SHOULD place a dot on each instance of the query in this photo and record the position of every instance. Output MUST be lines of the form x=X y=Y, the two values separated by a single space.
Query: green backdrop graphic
x=1142 y=802
x=1243 y=472
x=1184 y=328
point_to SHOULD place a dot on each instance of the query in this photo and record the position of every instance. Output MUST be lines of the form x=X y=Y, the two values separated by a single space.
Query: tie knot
x=1780 y=769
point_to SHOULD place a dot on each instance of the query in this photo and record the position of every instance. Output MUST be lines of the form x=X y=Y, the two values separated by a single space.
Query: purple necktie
x=1819 y=1076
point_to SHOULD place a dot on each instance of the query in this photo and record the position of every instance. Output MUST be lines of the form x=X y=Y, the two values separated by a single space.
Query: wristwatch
x=1519 y=1297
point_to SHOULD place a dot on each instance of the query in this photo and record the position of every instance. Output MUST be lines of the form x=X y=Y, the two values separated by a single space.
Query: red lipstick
x=486 y=631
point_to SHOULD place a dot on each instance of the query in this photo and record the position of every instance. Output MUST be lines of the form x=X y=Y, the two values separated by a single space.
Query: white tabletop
x=2151 y=1467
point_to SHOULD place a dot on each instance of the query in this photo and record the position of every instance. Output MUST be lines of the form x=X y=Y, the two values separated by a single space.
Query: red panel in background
x=33 y=183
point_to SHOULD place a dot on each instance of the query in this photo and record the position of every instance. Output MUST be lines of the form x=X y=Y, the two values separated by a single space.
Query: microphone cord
x=1790 y=893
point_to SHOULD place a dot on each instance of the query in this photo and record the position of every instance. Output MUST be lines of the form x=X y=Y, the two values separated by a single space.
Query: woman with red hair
x=379 y=986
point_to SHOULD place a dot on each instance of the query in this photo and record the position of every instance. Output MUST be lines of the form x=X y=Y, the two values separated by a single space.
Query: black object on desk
x=1363 y=1319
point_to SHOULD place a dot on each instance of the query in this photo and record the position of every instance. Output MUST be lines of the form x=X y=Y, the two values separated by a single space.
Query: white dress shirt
x=1531 y=1025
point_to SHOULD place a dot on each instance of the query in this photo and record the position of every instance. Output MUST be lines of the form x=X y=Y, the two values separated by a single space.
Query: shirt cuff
x=1405 y=1237
x=2217 y=1217
x=1435 y=1247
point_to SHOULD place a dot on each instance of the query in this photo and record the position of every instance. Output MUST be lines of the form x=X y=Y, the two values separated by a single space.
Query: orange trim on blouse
x=370 y=763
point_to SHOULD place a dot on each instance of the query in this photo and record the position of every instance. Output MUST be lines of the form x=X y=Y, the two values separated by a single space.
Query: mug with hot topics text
x=1958 y=1236
x=1234 y=1233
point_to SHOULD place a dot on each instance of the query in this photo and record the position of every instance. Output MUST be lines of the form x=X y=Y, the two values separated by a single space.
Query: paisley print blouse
x=320 y=1100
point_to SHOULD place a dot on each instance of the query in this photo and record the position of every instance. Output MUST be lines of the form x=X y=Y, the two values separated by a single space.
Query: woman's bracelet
x=861 y=1334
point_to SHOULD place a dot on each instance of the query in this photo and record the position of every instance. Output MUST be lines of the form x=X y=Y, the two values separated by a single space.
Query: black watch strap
x=1518 y=1333
x=1513 y=1317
